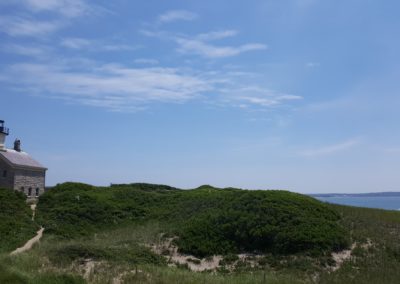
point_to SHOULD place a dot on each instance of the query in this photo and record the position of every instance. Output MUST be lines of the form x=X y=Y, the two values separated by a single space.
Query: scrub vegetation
x=127 y=234
x=16 y=225
x=207 y=220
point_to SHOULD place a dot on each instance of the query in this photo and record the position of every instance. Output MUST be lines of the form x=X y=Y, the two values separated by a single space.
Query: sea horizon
x=387 y=202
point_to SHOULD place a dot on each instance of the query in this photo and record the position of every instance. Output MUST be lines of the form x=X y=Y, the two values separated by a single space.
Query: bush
x=276 y=221
x=207 y=220
x=16 y=225
x=133 y=254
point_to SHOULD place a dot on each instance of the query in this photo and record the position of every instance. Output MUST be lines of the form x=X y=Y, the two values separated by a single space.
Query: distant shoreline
x=371 y=194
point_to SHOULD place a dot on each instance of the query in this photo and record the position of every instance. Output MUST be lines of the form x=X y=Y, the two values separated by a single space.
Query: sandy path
x=89 y=268
x=33 y=208
x=28 y=245
x=342 y=256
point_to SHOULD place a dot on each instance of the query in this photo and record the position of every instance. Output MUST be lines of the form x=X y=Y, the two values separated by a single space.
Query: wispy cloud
x=148 y=61
x=195 y=46
x=67 y=8
x=94 y=45
x=271 y=100
x=118 y=47
x=112 y=86
x=36 y=51
x=38 y=18
x=75 y=43
x=20 y=26
x=200 y=44
x=177 y=15
x=330 y=149
x=121 y=88
x=217 y=35
x=255 y=96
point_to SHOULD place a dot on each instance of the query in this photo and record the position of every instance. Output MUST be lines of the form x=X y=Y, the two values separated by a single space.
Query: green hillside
x=207 y=220
x=130 y=233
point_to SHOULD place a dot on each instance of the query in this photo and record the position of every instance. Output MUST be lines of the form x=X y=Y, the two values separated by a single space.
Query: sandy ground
x=33 y=208
x=175 y=258
x=170 y=251
x=28 y=245
x=344 y=255
x=340 y=257
x=89 y=268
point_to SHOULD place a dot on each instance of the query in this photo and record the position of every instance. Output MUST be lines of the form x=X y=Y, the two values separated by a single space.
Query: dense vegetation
x=16 y=225
x=264 y=221
x=207 y=220
x=114 y=229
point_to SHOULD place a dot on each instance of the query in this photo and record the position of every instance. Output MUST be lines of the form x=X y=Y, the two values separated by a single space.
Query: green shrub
x=230 y=258
x=7 y=276
x=53 y=278
x=16 y=225
x=207 y=220
x=133 y=254
x=277 y=221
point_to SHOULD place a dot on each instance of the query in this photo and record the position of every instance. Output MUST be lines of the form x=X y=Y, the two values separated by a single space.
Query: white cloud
x=148 y=61
x=177 y=15
x=111 y=86
x=18 y=26
x=120 y=88
x=68 y=8
x=270 y=100
x=256 y=96
x=94 y=45
x=331 y=149
x=217 y=35
x=25 y=21
x=75 y=43
x=36 y=51
x=199 y=44
x=204 y=49
x=117 y=47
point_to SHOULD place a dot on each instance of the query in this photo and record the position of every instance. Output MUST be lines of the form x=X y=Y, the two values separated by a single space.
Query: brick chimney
x=17 y=145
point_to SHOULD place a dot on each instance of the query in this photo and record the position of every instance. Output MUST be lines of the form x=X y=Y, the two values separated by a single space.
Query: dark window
x=22 y=189
x=4 y=173
x=30 y=191
x=37 y=192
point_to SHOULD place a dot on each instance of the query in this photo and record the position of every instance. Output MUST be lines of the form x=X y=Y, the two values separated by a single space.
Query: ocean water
x=382 y=202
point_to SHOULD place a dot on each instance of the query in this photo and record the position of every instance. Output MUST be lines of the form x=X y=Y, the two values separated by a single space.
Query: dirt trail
x=89 y=268
x=33 y=208
x=28 y=245
x=344 y=255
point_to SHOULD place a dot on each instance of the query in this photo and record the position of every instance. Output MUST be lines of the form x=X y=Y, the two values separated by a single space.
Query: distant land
x=371 y=194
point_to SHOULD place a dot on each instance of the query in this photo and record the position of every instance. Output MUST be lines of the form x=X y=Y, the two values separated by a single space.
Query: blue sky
x=290 y=94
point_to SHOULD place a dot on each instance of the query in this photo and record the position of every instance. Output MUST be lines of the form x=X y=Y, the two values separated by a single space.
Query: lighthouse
x=3 y=134
x=18 y=170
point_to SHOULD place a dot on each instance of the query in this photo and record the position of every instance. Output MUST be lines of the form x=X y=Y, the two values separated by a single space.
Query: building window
x=37 y=192
x=30 y=191
x=22 y=189
x=4 y=173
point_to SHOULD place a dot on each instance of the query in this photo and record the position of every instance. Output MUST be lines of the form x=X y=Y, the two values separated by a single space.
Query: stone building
x=18 y=170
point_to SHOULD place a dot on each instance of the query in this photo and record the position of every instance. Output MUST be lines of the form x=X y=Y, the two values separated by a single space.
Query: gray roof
x=20 y=159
